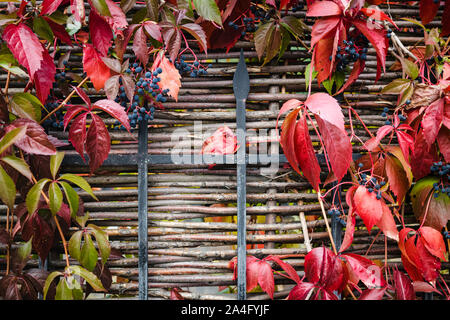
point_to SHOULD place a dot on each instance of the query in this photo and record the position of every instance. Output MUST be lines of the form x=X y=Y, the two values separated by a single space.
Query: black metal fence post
x=241 y=87
x=143 y=208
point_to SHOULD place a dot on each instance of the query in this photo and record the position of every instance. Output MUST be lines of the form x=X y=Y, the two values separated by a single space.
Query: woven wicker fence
x=192 y=207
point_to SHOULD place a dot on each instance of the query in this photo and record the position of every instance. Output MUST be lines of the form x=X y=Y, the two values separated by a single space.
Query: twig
x=65 y=101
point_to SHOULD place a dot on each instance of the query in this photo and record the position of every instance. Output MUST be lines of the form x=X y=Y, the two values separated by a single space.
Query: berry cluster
x=337 y=215
x=194 y=69
x=441 y=169
x=441 y=188
x=298 y=7
x=148 y=95
x=352 y=50
x=56 y=120
x=371 y=184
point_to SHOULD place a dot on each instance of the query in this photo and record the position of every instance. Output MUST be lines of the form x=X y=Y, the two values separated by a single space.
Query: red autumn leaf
x=304 y=153
x=365 y=270
x=44 y=77
x=198 y=33
x=301 y=291
x=290 y=271
x=77 y=134
x=78 y=10
x=325 y=269
x=387 y=223
x=422 y=156
x=368 y=207
x=98 y=143
x=223 y=141
x=140 y=47
x=417 y=259
x=432 y=120
x=101 y=34
x=265 y=277
x=115 y=110
x=71 y=113
x=153 y=30
x=288 y=105
x=357 y=69
x=50 y=6
x=337 y=145
x=428 y=10
x=25 y=46
x=376 y=34
x=252 y=272
x=443 y=140
x=327 y=108
x=41 y=231
x=406 y=142
x=82 y=94
x=427 y=263
x=59 y=31
x=372 y=294
x=397 y=177
x=323 y=9
x=377 y=14
x=321 y=57
x=433 y=241
x=404 y=289
x=422 y=286
x=35 y=140
x=287 y=139
x=349 y=232
x=94 y=67
x=324 y=28
x=118 y=20
x=170 y=77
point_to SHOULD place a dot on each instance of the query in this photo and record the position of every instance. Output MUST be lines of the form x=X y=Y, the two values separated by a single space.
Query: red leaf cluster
x=296 y=141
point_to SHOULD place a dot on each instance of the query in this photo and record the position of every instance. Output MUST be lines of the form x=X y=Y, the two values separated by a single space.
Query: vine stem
x=322 y=207
x=64 y=102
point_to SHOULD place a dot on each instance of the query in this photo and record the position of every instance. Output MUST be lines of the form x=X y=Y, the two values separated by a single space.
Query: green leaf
x=42 y=29
x=328 y=85
x=396 y=86
x=7 y=190
x=264 y=31
x=63 y=292
x=26 y=105
x=102 y=241
x=34 y=195
x=55 y=163
x=49 y=281
x=72 y=198
x=80 y=182
x=424 y=202
x=339 y=79
x=406 y=94
x=410 y=68
x=273 y=44
x=89 y=254
x=208 y=10
x=91 y=278
x=9 y=63
x=55 y=197
x=102 y=7
x=294 y=25
x=285 y=40
x=24 y=251
x=75 y=245
x=307 y=74
x=19 y=165
x=11 y=137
